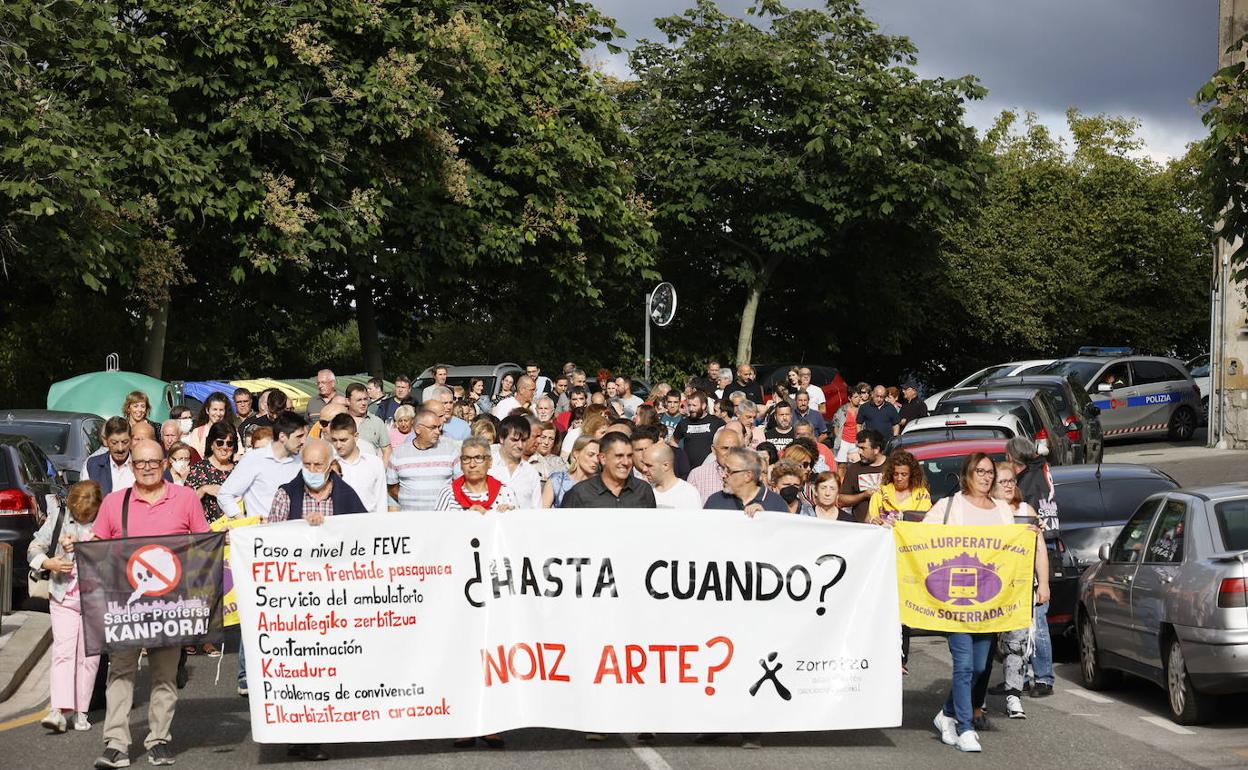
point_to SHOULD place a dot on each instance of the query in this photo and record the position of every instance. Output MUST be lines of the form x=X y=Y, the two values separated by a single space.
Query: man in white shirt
x=511 y=469
x=256 y=478
x=669 y=492
x=525 y=388
x=365 y=473
x=439 y=378
x=817 y=398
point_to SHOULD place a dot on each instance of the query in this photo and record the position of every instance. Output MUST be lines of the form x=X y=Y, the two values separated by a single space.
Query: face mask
x=789 y=493
x=181 y=465
x=185 y=424
x=313 y=480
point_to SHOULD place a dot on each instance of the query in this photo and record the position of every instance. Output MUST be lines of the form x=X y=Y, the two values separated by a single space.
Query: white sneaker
x=81 y=723
x=947 y=726
x=54 y=721
x=969 y=741
x=1014 y=707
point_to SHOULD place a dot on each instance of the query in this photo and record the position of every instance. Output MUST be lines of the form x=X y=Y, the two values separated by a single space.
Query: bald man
x=321 y=428
x=142 y=431
x=707 y=477
x=317 y=492
x=669 y=491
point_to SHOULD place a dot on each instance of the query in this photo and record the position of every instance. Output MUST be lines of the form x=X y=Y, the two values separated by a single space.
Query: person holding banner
x=476 y=490
x=744 y=490
x=152 y=507
x=903 y=487
x=317 y=492
x=52 y=549
x=973 y=505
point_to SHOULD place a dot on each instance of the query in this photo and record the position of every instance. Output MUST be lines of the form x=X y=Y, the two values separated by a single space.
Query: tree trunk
x=745 y=337
x=154 y=345
x=366 y=323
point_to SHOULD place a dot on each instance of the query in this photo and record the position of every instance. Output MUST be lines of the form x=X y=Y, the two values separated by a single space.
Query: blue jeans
x=1042 y=661
x=970 y=664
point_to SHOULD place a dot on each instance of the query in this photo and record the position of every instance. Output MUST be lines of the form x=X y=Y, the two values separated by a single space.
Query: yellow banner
x=965 y=579
x=230 y=599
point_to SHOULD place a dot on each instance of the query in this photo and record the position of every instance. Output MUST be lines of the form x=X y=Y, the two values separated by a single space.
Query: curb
x=23 y=651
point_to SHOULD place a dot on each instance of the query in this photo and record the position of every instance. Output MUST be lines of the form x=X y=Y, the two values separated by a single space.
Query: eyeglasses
x=428 y=427
x=223 y=442
x=984 y=472
x=323 y=423
x=471 y=459
x=729 y=471
x=1007 y=482
x=147 y=463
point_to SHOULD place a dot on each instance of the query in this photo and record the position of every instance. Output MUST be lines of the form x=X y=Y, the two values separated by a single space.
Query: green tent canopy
x=104 y=393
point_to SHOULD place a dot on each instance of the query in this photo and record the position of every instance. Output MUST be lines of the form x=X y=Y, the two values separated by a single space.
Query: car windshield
x=983 y=375
x=1084 y=371
x=929 y=435
x=52 y=438
x=942 y=473
x=1232 y=518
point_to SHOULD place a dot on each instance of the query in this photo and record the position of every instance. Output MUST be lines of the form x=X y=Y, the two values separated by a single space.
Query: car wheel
x=1182 y=424
x=1095 y=677
x=1187 y=707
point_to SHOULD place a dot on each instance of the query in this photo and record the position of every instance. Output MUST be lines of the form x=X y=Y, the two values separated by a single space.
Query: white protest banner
x=413 y=625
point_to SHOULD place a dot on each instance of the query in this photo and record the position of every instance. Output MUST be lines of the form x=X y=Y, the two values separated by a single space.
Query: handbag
x=37 y=581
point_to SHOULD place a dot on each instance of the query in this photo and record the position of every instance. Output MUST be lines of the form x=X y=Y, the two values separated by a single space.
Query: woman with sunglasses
x=207 y=475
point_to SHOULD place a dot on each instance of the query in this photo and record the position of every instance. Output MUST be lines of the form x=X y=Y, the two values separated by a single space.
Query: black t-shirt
x=913 y=410
x=696 y=437
x=752 y=390
x=779 y=440
x=862 y=477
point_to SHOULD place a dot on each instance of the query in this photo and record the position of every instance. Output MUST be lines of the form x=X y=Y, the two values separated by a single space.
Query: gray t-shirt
x=421 y=473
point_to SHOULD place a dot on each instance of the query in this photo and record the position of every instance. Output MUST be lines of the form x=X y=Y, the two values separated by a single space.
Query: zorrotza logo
x=963 y=580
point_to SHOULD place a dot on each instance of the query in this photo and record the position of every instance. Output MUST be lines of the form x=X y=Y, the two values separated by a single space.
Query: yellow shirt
x=884 y=502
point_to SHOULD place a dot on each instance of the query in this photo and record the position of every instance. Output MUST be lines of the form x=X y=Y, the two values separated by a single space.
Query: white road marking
x=1089 y=695
x=1166 y=724
x=648 y=756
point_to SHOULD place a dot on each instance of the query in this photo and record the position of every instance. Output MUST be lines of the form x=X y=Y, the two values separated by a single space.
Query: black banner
x=151 y=591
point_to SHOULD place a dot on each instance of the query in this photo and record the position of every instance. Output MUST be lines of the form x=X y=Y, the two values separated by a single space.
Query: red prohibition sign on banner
x=154 y=570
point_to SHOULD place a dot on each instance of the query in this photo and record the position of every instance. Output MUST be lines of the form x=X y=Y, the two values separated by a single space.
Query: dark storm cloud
x=1143 y=58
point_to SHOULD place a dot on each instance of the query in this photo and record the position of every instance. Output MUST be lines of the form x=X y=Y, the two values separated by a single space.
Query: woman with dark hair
x=207 y=475
x=903 y=487
x=506 y=387
x=787 y=480
x=973 y=505
x=646 y=414
x=476 y=392
x=216 y=409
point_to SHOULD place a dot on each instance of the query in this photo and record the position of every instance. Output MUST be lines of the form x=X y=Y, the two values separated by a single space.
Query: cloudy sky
x=1141 y=58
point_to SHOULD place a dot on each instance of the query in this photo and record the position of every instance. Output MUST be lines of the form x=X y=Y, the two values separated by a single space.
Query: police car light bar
x=1096 y=350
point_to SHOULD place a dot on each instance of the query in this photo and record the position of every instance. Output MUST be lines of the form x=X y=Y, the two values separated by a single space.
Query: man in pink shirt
x=155 y=508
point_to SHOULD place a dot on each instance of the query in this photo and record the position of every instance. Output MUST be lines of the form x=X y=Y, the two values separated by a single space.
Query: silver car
x=1137 y=395
x=1168 y=600
x=67 y=438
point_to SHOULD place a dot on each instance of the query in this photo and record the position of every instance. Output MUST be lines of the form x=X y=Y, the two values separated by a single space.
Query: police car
x=1136 y=394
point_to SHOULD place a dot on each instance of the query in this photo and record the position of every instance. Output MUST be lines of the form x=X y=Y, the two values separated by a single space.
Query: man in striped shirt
x=420 y=468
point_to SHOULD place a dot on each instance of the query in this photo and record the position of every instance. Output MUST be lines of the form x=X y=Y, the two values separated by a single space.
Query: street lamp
x=660 y=309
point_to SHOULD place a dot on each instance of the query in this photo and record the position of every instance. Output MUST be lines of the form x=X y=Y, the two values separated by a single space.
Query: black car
x=1033 y=407
x=1093 y=504
x=1080 y=416
x=27 y=480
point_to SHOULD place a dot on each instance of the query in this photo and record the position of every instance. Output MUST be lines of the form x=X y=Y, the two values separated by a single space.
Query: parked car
x=29 y=491
x=1137 y=394
x=1168 y=600
x=951 y=427
x=1198 y=367
x=826 y=378
x=988 y=373
x=1033 y=407
x=67 y=438
x=462 y=375
x=1079 y=415
x=1093 y=504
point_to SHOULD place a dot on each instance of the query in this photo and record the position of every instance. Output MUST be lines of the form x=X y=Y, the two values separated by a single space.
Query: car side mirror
x=1104 y=387
x=1103 y=553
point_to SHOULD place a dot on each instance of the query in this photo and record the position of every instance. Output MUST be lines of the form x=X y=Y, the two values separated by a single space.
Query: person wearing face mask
x=186 y=421
x=314 y=495
x=787 y=479
x=179 y=463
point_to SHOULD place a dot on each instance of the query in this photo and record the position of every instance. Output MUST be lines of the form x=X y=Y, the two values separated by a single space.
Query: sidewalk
x=24 y=641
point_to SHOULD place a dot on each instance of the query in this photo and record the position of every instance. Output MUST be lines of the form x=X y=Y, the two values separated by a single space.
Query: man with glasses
x=418 y=469
x=862 y=478
x=741 y=475
x=325 y=389
x=111 y=469
x=244 y=407
x=476 y=490
x=155 y=507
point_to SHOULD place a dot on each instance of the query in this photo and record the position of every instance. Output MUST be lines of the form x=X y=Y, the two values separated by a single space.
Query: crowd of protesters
x=718 y=441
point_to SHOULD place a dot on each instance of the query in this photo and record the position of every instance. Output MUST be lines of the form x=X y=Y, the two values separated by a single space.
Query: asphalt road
x=1073 y=728
x=1190 y=463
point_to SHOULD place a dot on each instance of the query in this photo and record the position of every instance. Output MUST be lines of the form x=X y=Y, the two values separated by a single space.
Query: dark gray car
x=1168 y=600
x=1080 y=416
x=67 y=438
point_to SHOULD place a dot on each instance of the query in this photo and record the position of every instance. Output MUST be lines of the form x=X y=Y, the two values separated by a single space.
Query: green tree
x=787 y=145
